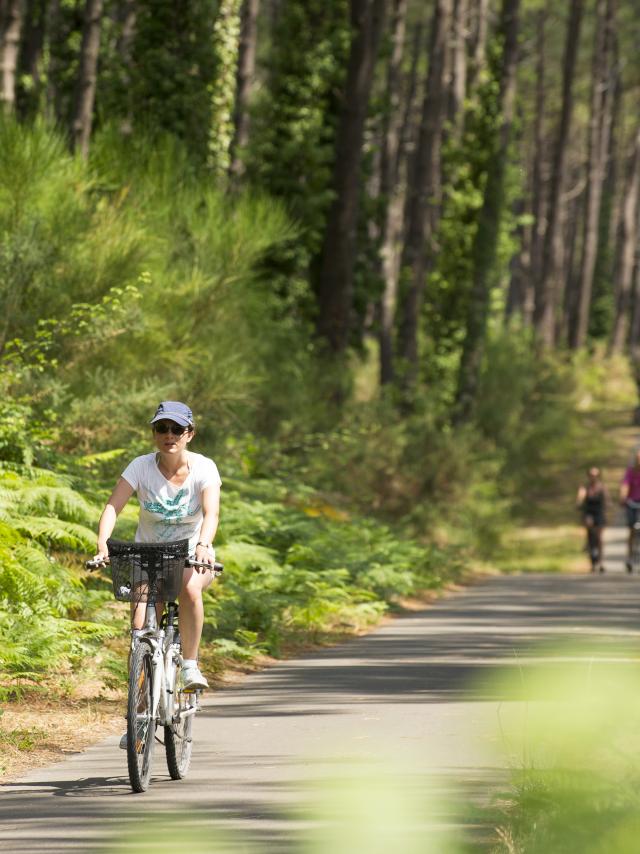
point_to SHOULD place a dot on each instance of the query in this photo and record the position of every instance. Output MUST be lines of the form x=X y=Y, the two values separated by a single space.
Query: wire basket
x=147 y=572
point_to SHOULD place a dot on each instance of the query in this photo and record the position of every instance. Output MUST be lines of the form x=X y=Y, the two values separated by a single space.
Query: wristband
x=206 y=546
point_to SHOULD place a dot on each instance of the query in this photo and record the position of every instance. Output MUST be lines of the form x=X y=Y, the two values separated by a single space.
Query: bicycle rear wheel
x=594 y=548
x=177 y=737
x=141 y=725
x=635 y=549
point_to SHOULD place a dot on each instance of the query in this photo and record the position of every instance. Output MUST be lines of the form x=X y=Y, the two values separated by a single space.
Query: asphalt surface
x=410 y=713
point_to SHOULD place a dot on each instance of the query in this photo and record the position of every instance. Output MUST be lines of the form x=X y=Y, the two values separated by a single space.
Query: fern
x=56 y=532
x=60 y=501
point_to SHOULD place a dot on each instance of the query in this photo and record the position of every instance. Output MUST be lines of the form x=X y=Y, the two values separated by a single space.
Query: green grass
x=543 y=549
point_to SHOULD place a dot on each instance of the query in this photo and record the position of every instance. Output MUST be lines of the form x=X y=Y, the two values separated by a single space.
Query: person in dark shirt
x=591 y=501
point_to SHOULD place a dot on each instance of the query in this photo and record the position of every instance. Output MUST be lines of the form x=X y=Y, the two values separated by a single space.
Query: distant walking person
x=630 y=499
x=591 y=500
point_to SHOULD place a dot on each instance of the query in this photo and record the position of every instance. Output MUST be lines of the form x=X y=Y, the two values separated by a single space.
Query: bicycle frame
x=166 y=654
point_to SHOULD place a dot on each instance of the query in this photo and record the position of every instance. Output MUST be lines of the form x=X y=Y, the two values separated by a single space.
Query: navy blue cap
x=173 y=410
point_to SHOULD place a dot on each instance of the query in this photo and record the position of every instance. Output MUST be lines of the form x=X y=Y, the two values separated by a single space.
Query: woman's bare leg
x=192 y=610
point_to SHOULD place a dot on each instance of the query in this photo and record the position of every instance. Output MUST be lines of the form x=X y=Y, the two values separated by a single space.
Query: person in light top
x=179 y=495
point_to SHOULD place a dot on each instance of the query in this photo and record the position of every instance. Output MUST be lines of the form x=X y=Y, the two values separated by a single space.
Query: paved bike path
x=419 y=694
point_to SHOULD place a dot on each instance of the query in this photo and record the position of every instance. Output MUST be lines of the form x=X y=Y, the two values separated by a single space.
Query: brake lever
x=95 y=563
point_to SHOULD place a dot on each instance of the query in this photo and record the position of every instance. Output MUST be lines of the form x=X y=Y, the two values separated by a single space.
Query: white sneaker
x=123 y=742
x=192 y=679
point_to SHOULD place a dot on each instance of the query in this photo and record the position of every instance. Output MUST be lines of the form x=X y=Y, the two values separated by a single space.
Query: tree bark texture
x=424 y=190
x=486 y=238
x=478 y=30
x=52 y=27
x=538 y=196
x=87 y=76
x=626 y=252
x=602 y=91
x=389 y=189
x=526 y=269
x=245 y=81
x=11 y=22
x=460 y=34
x=550 y=287
x=335 y=283
x=127 y=15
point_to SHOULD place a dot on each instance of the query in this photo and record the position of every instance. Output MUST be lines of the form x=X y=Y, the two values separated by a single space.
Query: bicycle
x=593 y=545
x=634 y=551
x=151 y=573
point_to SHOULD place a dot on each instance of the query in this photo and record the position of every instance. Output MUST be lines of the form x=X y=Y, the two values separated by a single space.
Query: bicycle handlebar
x=634 y=505
x=97 y=563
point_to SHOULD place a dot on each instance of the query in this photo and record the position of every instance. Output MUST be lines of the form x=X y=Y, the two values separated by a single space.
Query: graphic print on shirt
x=172 y=512
x=171 y=508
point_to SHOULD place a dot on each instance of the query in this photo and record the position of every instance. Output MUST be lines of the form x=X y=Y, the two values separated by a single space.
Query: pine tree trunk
x=598 y=149
x=52 y=95
x=479 y=27
x=335 y=283
x=11 y=22
x=423 y=197
x=460 y=30
x=538 y=178
x=245 y=81
x=87 y=78
x=626 y=252
x=389 y=188
x=127 y=17
x=486 y=239
x=550 y=286
x=526 y=268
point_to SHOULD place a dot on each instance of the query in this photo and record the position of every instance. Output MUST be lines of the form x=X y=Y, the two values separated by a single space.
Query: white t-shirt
x=168 y=512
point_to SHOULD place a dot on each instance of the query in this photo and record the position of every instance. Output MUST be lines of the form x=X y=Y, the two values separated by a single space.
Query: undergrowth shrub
x=42 y=599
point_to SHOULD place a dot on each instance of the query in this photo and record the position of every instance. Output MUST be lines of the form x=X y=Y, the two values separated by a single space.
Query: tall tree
x=549 y=287
x=460 y=32
x=11 y=21
x=528 y=263
x=626 y=250
x=486 y=238
x=602 y=92
x=226 y=44
x=337 y=258
x=244 y=81
x=390 y=192
x=423 y=197
x=87 y=76
x=478 y=30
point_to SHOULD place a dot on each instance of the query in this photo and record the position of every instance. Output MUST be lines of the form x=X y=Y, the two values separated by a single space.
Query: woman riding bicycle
x=179 y=495
x=630 y=499
x=591 y=501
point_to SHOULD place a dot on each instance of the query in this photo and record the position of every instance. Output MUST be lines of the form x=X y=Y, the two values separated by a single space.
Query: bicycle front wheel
x=177 y=737
x=141 y=724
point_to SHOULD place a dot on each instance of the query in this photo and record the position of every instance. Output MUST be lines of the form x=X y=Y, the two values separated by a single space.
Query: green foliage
x=296 y=566
x=226 y=35
x=59 y=243
x=292 y=148
x=38 y=592
x=576 y=787
x=173 y=71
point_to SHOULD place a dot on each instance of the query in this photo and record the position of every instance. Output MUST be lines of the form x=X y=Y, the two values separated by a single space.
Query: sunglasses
x=170 y=427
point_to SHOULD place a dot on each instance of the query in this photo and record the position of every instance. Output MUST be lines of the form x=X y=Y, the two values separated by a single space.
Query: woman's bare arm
x=119 y=497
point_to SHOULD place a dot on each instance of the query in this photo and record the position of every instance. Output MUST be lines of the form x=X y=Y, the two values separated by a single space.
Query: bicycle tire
x=141 y=725
x=178 y=742
x=594 y=548
x=635 y=551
